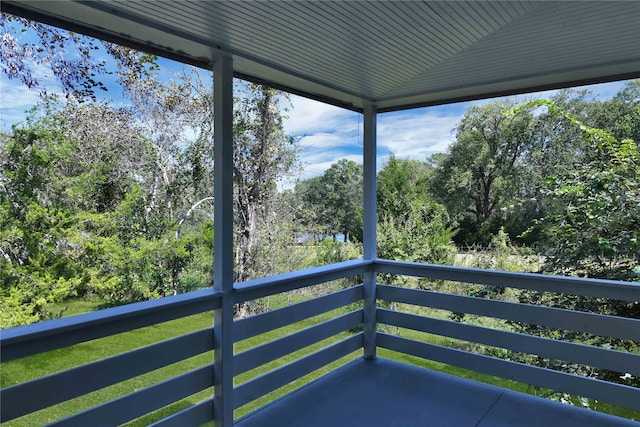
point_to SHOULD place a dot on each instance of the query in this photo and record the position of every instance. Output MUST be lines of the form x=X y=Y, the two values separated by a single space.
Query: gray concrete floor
x=385 y=393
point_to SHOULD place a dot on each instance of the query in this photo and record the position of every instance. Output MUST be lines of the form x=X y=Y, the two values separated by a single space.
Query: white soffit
x=394 y=54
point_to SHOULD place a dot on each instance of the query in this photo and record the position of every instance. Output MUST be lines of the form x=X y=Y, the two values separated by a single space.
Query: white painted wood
x=275 y=379
x=223 y=239
x=265 y=322
x=44 y=336
x=596 y=324
x=265 y=286
x=542 y=377
x=369 y=228
x=599 y=357
x=291 y=343
x=625 y=291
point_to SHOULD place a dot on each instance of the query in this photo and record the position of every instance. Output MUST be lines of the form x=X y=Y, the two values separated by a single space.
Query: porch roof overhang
x=395 y=55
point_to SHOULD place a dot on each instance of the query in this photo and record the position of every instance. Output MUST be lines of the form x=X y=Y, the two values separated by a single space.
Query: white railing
x=562 y=319
x=31 y=396
x=23 y=399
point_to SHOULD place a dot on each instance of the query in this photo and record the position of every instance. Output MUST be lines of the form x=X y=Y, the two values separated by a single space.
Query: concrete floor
x=385 y=393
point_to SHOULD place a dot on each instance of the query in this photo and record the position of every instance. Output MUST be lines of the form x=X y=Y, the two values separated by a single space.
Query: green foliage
x=493 y=174
x=400 y=184
x=75 y=220
x=411 y=226
x=593 y=229
x=34 y=226
x=332 y=202
x=482 y=173
x=116 y=202
x=419 y=235
x=329 y=251
x=263 y=155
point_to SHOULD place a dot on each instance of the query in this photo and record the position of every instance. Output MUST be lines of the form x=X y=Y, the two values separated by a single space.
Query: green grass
x=57 y=360
x=39 y=365
x=43 y=364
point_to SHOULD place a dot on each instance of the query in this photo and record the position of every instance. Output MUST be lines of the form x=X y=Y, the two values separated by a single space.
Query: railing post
x=223 y=239
x=369 y=231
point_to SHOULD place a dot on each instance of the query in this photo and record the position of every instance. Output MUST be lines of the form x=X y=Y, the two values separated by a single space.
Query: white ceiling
x=394 y=54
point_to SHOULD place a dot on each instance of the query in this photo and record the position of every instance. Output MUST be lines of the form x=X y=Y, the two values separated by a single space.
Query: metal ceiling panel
x=396 y=54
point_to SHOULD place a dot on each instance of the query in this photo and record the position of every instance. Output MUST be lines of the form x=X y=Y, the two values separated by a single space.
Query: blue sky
x=326 y=133
x=330 y=133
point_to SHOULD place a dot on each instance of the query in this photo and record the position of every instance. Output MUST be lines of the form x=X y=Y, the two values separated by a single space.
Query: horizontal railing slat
x=624 y=291
x=597 y=324
x=265 y=286
x=34 y=395
x=541 y=377
x=143 y=401
x=265 y=322
x=275 y=379
x=196 y=415
x=567 y=351
x=41 y=337
x=275 y=349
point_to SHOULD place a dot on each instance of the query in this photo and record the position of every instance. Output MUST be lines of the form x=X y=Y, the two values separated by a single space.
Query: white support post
x=223 y=239
x=369 y=231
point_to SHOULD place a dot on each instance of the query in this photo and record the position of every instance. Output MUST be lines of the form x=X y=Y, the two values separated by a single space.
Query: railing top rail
x=625 y=291
x=25 y=340
x=265 y=286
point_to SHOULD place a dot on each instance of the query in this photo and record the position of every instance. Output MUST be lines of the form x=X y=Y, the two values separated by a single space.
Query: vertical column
x=369 y=231
x=223 y=239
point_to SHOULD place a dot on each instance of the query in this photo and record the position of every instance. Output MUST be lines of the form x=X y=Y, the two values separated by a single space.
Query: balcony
x=351 y=341
x=356 y=332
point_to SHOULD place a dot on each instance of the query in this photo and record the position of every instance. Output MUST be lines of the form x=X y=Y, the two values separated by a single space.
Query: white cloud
x=315 y=164
x=328 y=134
x=15 y=99
x=308 y=117
x=417 y=134
x=323 y=140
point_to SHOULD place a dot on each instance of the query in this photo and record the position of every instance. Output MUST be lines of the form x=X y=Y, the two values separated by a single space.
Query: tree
x=594 y=227
x=332 y=202
x=311 y=210
x=110 y=153
x=263 y=154
x=481 y=173
x=619 y=115
x=399 y=184
x=555 y=146
x=175 y=119
x=411 y=225
x=343 y=196
x=132 y=186
x=592 y=230
x=79 y=186
x=35 y=268
x=73 y=59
